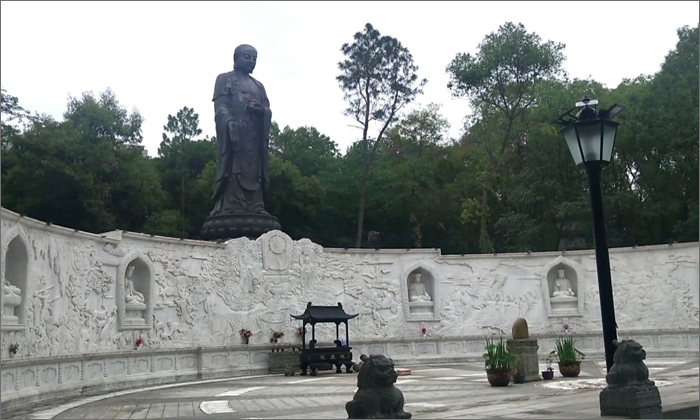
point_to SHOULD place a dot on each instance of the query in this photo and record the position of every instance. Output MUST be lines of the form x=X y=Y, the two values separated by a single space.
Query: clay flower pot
x=498 y=377
x=570 y=369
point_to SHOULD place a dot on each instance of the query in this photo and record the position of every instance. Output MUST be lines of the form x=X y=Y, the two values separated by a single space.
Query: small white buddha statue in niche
x=133 y=296
x=562 y=286
x=8 y=289
x=416 y=291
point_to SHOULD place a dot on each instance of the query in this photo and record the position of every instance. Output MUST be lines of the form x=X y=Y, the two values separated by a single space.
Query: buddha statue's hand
x=256 y=108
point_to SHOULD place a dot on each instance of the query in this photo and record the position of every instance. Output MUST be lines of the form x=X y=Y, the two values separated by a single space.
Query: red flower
x=139 y=341
x=424 y=330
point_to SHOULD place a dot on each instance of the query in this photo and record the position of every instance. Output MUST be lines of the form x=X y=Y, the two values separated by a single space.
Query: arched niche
x=135 y=286
x=421 y=310
x=562 y=299
x=15 y=279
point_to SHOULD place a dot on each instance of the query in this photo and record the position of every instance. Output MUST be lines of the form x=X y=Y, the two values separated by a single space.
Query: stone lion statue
x=628 y=365
x=377 y=397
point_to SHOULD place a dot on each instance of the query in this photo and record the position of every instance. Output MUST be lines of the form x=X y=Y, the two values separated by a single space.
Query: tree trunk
x=363 y=200
x=484 y=239
x=182 y=207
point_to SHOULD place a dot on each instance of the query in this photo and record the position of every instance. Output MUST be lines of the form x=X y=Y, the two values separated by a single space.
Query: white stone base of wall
x=31 y=381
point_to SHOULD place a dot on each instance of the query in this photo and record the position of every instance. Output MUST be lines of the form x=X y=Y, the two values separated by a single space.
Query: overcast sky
x=160 y=56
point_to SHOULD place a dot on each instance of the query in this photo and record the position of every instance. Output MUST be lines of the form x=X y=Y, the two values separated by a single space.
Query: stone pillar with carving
x=525 y=348
x=630 y=393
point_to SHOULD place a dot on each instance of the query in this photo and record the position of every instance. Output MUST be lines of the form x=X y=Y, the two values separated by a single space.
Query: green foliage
x=104 y=119
x=307 y=149
x=81 y=173
x=10 y=107
x=378 y=78
x=508 y=184
x=566 y=351
x=503 y=74
x=165 y=223
x=183 y=128
x=502 y=81
x=182 y=157
x=497 y=356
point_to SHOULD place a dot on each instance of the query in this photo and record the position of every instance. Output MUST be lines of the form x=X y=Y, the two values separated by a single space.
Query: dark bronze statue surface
x=243 y=119
x=377 y=397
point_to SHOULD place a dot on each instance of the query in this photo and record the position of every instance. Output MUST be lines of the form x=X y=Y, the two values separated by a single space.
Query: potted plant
x=245 y=335
x=276 y=335
x=549 y=373
x=518 y=376
x=569 y=356
x=498 y=362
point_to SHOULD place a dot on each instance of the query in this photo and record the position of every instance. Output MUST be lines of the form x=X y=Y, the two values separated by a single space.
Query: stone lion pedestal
x=630 y=393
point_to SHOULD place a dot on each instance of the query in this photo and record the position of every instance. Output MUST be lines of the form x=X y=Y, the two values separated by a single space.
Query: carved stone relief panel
x=202 y=295
x=371 y=292
x=7 y=380
x=276 y=251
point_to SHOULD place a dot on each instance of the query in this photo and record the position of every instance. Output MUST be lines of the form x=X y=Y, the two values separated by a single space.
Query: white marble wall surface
x=201 y=294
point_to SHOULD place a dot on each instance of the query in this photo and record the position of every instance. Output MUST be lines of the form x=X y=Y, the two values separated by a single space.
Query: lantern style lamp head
x=590 y=134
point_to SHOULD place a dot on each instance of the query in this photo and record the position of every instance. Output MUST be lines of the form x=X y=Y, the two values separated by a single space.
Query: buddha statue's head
x=244 y=58
x=130 y=271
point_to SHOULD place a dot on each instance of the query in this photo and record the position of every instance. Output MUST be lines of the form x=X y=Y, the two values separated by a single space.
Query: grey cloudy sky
x=160 y=56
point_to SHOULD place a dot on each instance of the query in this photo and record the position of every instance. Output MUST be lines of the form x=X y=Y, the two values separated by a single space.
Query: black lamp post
x=590 y=135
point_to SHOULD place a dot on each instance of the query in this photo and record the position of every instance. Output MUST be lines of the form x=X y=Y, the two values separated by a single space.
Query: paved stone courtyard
x=439 y=391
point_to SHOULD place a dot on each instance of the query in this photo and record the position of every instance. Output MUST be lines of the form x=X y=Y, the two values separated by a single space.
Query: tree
x=501 y=82
x=9 y=105
x=87 y=172
x=180 y=132
x=104 y=119
x=413 y=148
x=11 y=112
x=306 y=148
x=657 y=144
x=378 y=77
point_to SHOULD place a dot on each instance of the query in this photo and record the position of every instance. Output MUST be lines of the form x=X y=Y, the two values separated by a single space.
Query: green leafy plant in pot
x=499 y=362
x=569 y=356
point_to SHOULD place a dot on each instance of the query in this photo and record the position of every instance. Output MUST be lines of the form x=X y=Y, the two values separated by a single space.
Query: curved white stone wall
x=77 y=297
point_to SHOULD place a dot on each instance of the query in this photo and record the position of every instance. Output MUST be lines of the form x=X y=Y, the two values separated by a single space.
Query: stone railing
x=30 y=381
